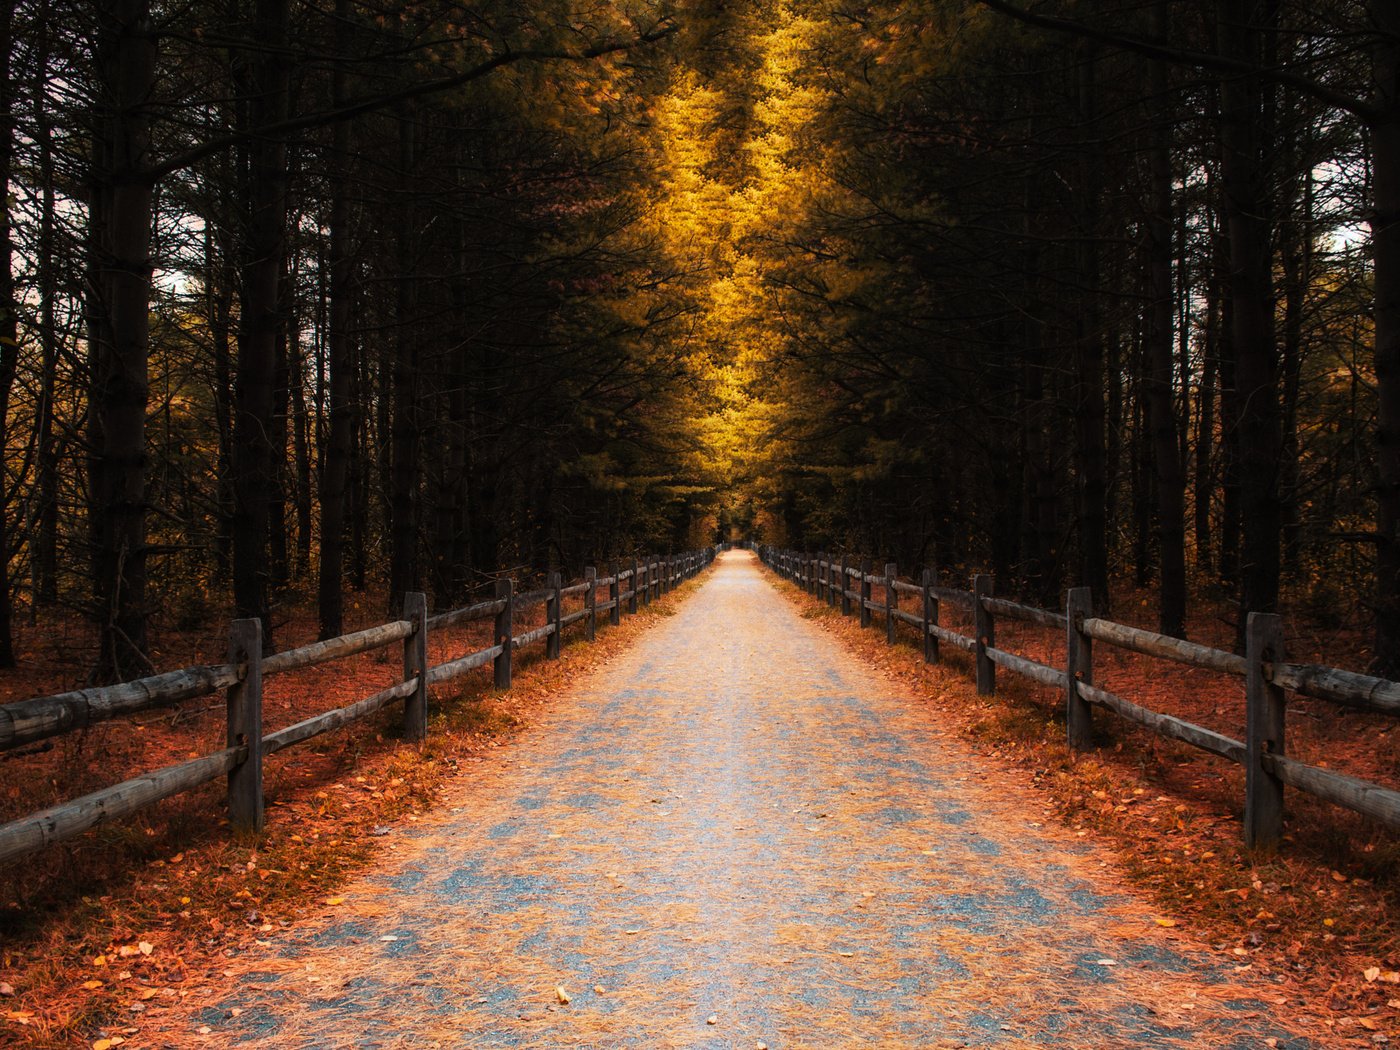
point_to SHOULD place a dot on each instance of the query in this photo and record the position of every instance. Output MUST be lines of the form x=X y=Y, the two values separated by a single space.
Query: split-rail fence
x=1267 y=676
x=241 y=678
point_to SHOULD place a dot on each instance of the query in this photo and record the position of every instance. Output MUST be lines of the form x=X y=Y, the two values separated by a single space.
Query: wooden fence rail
x=242 y=678
x=1267 y=677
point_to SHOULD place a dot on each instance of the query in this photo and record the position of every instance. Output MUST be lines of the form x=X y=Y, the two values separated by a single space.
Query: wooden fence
x=241 y=678
x=1267 y=676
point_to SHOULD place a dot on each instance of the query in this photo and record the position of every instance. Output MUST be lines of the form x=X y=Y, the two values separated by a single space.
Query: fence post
x=505 y=630
x=1079 y=667
x=615 y=595
x=590 y=602
x=930 y=618
x=986 y=632
x=244 y=702
x=865 y=568
x=1264 y=716
x=891 y=601
x=845 y=587
x=415 y=665
x=636 y=582
x=646 y=575
x=554 y=612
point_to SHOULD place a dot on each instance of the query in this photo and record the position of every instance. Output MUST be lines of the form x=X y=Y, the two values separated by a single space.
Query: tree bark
x=119 y=333
x=1089 y=408
x=1385 y=236
x=1161 y=402
x=259 y=320
x=9 y=321
x=403 y=486
x=340 y=362
x=1244 y=179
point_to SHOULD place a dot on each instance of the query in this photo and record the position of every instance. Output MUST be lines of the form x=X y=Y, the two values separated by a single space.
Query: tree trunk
x=9 y=323
x=1205 y=420
x=1245 y=183
x=1089 y=409
x=259 y=320
x=403 y=487
x=119 y=333
x=1161 y=403
x=335 y=470
x=1385 y=235
x=45 y=540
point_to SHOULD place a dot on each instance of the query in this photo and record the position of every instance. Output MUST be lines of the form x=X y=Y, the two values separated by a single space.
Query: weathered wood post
x=891 y=601
x=244 y=702
x=590 y=602
x=636 y=584
x=865 y=568
x=646 y=582
x=415 y=665
x=930 y=617
x=554 y=612
x=505 y=630
x=845 y=586
x=1079 y=667
x=985 y=630
x=615 y=593
x=1264 y=717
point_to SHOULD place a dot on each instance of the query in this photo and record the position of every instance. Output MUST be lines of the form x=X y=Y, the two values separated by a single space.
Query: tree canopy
x=303 y=296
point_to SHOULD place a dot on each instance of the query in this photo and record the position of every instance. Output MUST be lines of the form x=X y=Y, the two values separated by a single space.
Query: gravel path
x=736 y=836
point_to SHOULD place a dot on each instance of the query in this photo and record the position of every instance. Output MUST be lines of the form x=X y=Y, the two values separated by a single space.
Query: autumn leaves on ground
x=108 y=935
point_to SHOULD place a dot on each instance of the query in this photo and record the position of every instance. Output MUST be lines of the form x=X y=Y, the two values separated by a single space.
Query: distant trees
x=1105 y=274
x=320 y=292
x=339 y=243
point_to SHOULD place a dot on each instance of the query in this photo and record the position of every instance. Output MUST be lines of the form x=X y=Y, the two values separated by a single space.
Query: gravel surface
x=737 y=836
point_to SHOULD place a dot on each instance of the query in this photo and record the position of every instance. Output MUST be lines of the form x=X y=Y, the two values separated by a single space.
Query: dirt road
x=735 y=836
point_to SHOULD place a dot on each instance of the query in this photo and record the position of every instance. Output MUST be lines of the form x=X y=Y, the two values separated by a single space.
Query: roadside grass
x=1322 y=913
x=124 y=920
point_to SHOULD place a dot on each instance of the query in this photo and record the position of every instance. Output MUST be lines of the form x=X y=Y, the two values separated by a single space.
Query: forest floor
x=900 y=890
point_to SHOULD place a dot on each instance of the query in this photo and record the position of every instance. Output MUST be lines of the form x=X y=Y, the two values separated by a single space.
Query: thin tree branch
x=376 y=102
x=1361 y=108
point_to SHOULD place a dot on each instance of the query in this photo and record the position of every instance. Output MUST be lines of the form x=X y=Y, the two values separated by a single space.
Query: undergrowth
x=1322 y=913
x=96 y=931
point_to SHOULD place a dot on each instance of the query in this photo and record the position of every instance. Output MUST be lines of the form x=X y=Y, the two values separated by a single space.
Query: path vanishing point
x=735 y=835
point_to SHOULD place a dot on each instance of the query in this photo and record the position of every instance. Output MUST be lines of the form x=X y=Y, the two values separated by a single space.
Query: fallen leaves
x=564 y=997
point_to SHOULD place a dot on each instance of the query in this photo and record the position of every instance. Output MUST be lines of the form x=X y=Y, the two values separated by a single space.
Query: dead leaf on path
x=712 y=1019
x=6 y=989
x=335 y=900
x=145 y=947
x=1166 y=922
x=564 y=997
x=92 y=985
